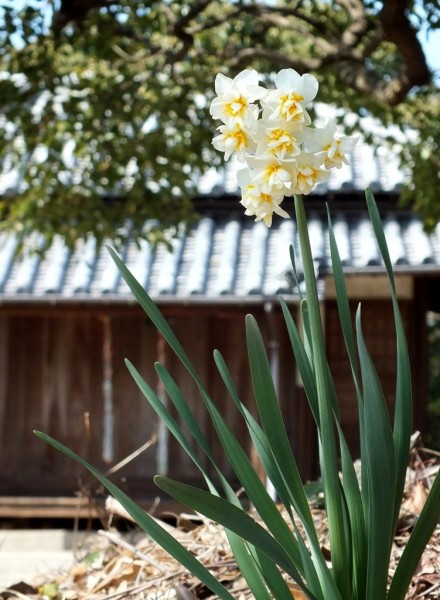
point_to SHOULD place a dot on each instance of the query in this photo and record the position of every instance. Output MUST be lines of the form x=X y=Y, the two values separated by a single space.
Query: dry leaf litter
x=113 y=566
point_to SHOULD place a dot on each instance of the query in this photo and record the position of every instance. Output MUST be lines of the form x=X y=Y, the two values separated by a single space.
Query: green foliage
x=422 y=156
x=362 y=518
x=104 y=105
x=105 y=128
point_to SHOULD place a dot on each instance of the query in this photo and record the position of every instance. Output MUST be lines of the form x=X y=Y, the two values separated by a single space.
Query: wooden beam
x=374 y=287
x=71 y=507
x=26 y=507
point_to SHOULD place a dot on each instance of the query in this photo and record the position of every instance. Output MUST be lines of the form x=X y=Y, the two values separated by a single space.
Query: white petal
x=287 y=79
x=310 y=86
x=247 y=83
x=246 y=78
x=281 y=212
x=223 y=84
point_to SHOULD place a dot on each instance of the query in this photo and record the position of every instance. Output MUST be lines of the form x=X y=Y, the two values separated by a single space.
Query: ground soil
x=111 y=565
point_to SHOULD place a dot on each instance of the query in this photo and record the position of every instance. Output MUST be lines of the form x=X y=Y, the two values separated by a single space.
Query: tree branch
x=359 y=22
x=351 y=51
x=193 y=13
x=394 y=27
x=243 y=57
x=216 y=22
x=348 y=42
x=398 y=30
x=298 y=26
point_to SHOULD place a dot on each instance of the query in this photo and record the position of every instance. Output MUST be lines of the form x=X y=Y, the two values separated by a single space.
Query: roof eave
x=163 y=300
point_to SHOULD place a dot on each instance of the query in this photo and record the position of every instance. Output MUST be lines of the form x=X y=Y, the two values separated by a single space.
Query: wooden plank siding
x=52 y=379
x=53 y=367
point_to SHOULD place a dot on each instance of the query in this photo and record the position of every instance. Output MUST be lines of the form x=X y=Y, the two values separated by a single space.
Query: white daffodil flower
x=308 y=172
x=270 y=174
x=293 y=92
x=284 y=155
x=235 y=98
x=281 y=139
x=234 y=140
x=335 y=147
x=258 y=204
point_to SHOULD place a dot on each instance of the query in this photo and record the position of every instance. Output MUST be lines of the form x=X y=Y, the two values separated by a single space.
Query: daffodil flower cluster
x=270 y=131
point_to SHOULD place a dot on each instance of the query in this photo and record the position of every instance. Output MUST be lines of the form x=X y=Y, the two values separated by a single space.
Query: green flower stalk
x=326 y=408
x=270 y=131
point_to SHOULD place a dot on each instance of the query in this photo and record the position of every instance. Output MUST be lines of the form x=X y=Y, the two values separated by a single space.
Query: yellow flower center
x=276 y=134
x=266 y=198
x=237 y=107
x=239 y=137
x=278 y=138
x=271 y=171
x=307 y=174
x=292 y=97
x=290 y=106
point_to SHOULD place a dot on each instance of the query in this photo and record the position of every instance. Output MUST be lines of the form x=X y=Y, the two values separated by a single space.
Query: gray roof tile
x=256 y=260
x=420 y=248
x=227 y=258
x=198 y=272
x=222 y=256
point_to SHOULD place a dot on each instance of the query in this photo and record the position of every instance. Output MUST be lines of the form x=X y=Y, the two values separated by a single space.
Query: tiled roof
x=223 y=257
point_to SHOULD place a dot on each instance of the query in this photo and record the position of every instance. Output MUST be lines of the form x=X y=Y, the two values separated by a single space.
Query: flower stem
x=326 y=426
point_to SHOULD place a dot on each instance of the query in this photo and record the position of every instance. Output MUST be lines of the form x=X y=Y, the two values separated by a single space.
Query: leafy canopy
x=104 y=105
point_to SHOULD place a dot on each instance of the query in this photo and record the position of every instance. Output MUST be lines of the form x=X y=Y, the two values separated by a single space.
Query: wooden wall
x=51 y=370
x=52 y=365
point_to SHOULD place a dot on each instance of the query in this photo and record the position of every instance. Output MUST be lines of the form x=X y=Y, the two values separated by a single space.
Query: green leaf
x=358 y=537
x=272 y=420
x=295 y=272
x=239 y=550
x=302 y=361
x=314 y=575
x=343 y=303
x=162 y=411
x=223 y=512
x=249 y=567
x=347 y=331
x=154 y=314
x=259 y=438
x=272 y=576
x=253 y=485
x=326 y=402
x=416 y=545
x=274 y=428
x=148 y=524
x=309 y=567
x=403 y=405
x=381 y=473
x=307 y=333
x=238 y=547
x=180 y=403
